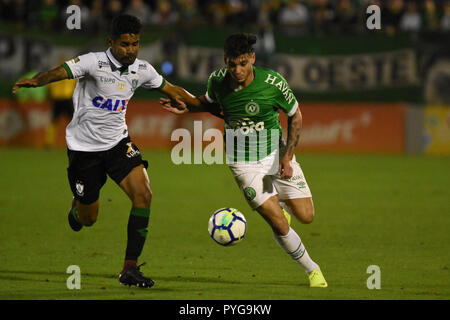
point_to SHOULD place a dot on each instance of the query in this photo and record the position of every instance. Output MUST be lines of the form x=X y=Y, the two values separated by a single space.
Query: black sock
x=137 y=232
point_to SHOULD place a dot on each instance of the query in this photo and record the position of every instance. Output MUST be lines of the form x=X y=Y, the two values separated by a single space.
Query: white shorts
x=260 y=180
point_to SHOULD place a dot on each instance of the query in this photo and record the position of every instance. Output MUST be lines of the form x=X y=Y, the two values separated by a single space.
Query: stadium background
x=382 y=93
x=361 y=90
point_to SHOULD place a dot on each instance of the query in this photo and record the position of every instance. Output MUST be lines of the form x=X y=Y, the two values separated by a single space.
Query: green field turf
x=390 y=211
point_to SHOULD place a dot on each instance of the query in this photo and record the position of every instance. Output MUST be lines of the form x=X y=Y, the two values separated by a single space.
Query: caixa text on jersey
x=110 y=104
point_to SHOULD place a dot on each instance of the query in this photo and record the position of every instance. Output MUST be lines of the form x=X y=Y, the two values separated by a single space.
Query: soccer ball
x=227 y=226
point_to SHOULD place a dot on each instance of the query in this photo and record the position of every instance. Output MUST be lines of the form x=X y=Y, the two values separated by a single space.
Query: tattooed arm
x=293 y=138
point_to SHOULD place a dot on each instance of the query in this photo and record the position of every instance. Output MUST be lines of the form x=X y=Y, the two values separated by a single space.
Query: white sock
x=292 y=244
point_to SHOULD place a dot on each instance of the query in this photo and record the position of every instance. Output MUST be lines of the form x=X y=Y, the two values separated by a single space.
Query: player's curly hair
x=238 y=44
x=125 y=23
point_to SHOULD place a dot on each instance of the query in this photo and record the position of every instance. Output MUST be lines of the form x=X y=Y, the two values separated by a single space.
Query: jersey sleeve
x=210 y=94
x=80 y=66
x=152 y=79
x=285 y=98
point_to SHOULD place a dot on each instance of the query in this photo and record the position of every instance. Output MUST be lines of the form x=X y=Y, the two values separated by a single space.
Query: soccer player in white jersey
x=250 y=98
x=98 y=144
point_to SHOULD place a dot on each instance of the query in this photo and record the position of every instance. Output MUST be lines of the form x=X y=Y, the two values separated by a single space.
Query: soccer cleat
x=73 y=220
x=134 y=277
x=316 y=279
x=287 y=215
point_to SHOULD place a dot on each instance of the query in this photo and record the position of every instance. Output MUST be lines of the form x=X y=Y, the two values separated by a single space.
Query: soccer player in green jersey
x=264 y=167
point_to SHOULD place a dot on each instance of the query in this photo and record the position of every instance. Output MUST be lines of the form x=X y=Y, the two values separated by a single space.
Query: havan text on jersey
x=282 y=85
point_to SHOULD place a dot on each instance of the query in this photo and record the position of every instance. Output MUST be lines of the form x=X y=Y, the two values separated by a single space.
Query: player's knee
x=143 y=197
x=87 y=214
x=279 y=225
x=307 y=216
x=280 y=229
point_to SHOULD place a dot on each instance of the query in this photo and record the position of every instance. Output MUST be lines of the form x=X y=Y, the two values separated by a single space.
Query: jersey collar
x=114 y=61
x=117 y=65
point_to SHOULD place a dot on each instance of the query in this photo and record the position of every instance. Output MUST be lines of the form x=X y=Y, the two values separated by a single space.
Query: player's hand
x=25 y=83
x=176 y=107
x=285 y=169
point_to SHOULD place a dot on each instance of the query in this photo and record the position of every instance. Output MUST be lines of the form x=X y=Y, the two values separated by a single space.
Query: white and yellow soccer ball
x=227 y=226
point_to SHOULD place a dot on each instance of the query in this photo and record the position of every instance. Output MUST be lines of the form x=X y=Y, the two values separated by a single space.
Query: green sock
x=74 y=213
x=136 y=232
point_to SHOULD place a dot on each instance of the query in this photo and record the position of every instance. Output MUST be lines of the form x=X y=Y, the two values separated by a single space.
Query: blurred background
x=361 y=91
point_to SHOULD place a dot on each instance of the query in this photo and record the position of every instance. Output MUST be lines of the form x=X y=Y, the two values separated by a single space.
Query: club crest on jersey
x=134 y=84
x=121 y=85
x=110 y=104
x=252 y=108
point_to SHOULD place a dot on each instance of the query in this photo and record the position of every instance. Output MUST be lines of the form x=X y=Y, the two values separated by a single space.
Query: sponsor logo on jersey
x=142 y=66
x=219 y=73
x=107 y=80
x=244 y=125
x=110 y=104
x=75 y=60
x=282 y=85
x=102 y=64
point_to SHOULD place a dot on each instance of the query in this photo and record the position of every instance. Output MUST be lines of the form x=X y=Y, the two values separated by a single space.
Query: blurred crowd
x=290 y=16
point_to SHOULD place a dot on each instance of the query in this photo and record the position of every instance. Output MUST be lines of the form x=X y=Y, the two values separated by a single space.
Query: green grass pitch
x=389 y=211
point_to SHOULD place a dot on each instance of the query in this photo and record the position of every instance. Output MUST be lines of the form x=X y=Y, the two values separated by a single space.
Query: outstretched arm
x=181 y=101
x=42 y=78
x=294 y=128
x=178 y=94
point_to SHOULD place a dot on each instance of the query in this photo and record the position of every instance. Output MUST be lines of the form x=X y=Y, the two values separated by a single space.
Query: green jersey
x=252 y=128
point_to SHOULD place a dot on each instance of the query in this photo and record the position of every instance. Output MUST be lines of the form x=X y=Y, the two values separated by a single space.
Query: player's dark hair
x=125 y=24
x=238 y=44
